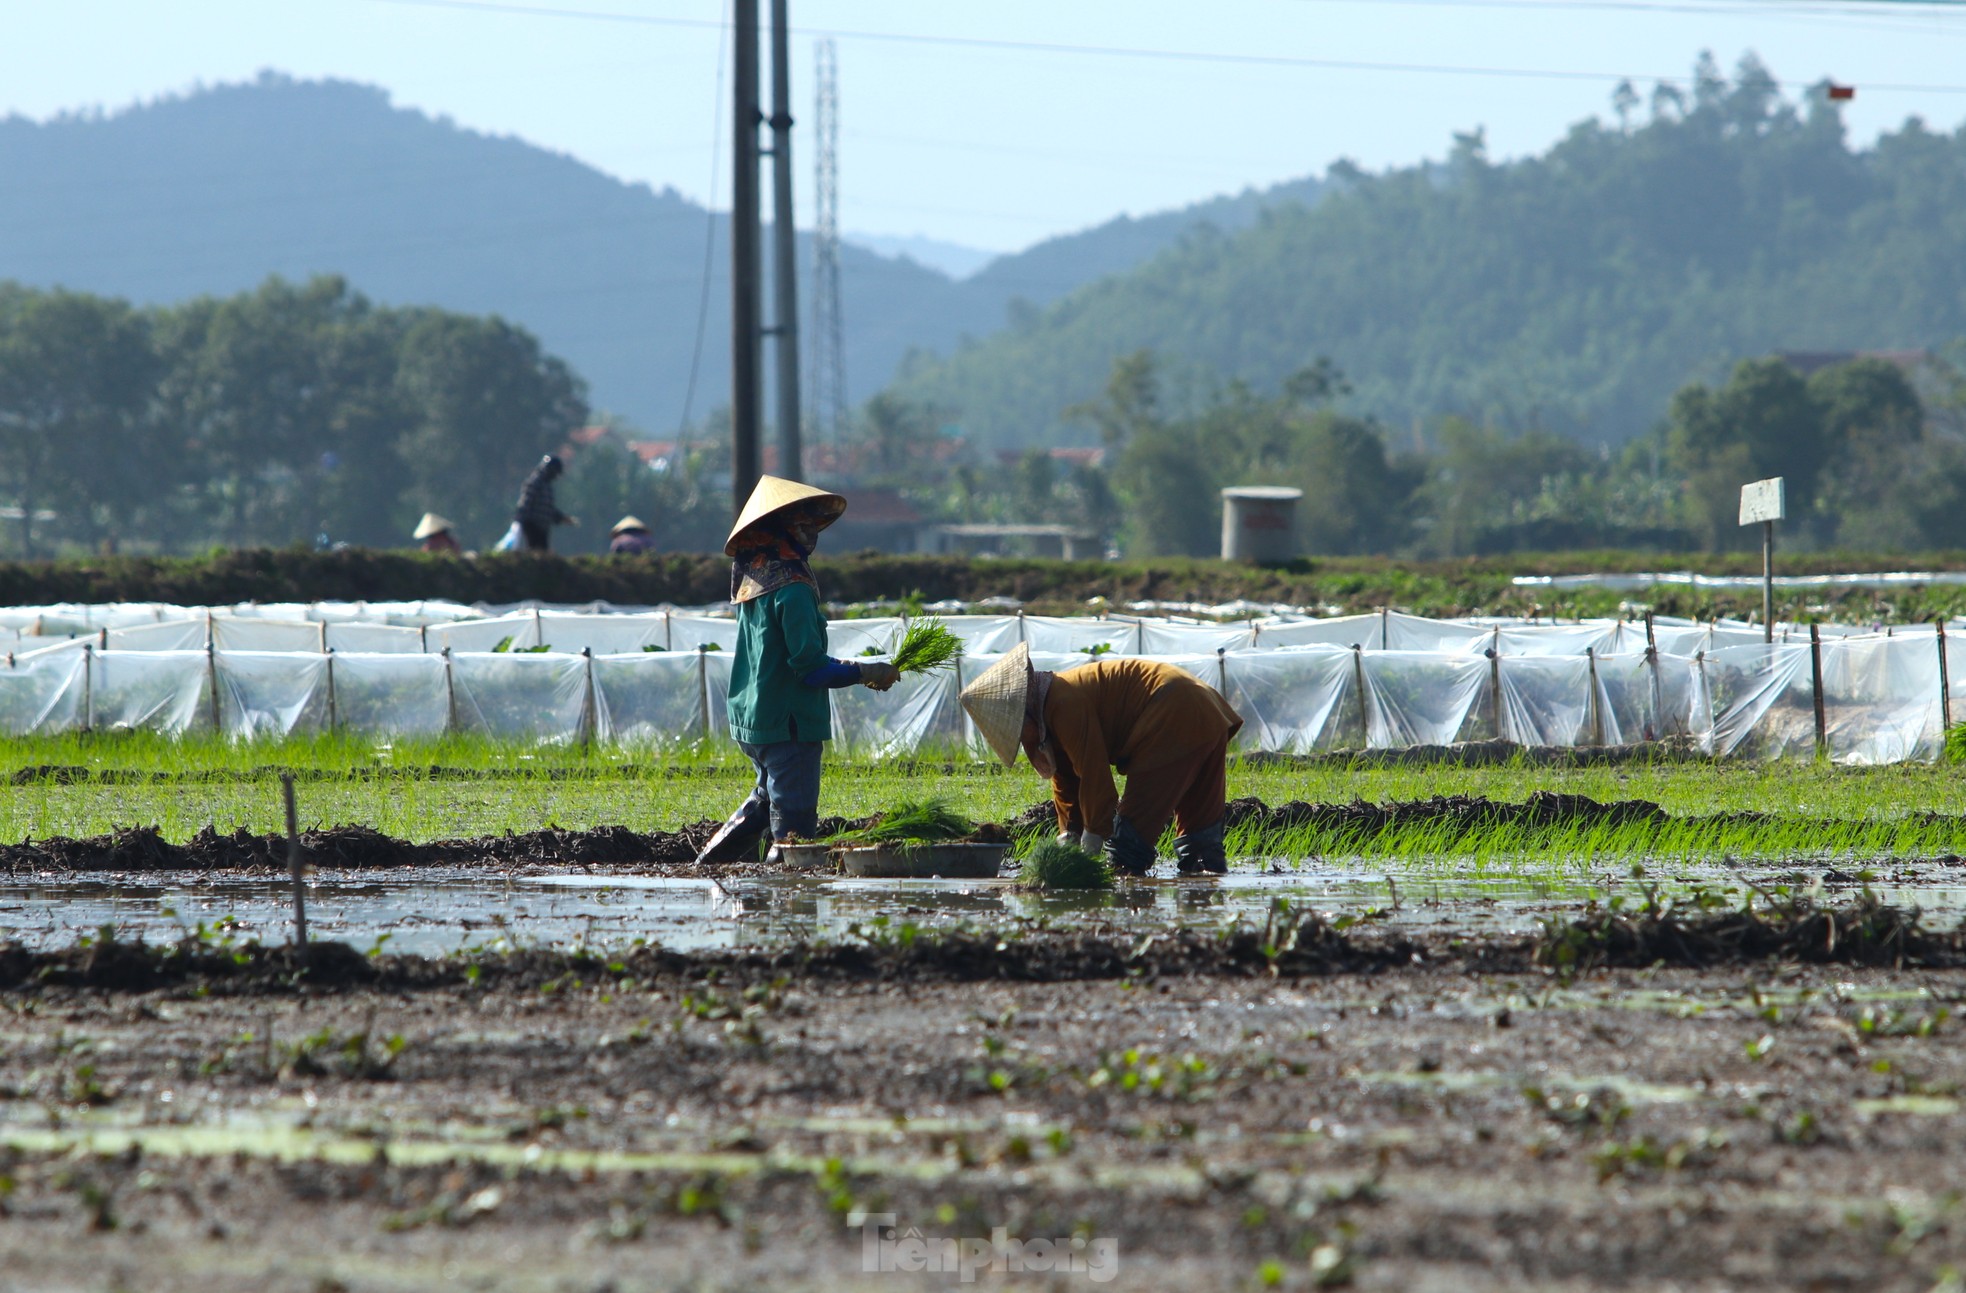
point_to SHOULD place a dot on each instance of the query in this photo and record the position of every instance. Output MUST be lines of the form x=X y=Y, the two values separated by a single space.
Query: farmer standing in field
x=1166 y=730
x=537 y=513
x=779 y=709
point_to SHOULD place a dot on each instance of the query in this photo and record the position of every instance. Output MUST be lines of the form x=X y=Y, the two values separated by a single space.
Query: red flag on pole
x=1842 y=91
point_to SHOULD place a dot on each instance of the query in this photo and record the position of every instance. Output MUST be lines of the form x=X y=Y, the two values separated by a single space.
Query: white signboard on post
x=1764 y=500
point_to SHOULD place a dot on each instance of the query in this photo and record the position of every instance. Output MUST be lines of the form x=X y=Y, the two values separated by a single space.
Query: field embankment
x=1334 y=584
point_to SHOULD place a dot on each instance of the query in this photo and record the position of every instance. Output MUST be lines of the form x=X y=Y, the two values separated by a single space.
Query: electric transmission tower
x=828 y=384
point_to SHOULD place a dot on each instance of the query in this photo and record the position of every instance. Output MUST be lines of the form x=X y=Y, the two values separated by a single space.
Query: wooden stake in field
x=293 y=863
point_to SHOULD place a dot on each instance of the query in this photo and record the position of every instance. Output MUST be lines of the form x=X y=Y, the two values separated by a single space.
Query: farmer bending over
x=779 y=710
x=1163 y=728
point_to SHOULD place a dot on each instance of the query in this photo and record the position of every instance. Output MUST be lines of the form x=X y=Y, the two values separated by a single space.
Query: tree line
x=263 y=419
x=1873 y=451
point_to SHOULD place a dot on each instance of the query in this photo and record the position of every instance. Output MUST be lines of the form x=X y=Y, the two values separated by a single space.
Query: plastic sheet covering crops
x=1341 y=631
x=1416 y=633
x=270 y=693
x=158 y=691
x=483 y=635
x=1187 y=639
x=374 y=638
x=1296 y=700
x=1058 y=633
x=985 y=634
x=536 y=697
x=655 y=700
x=1605 y=637
x=1762 y=704
x=691 y=632
x=1420 y=697
x=268 y=635
x=1881 y=699
x=850 y=639
x=1643 y=698
x=919 y=715
x=44 y=694
x=172 y=635
x=1545 y=700
x=601 y=634
x=391 y=694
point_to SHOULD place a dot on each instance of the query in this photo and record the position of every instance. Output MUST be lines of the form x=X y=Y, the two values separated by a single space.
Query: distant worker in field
x=630 y=537
x=1166 y=730
x=537 y=514
x=779 y=709
x=434 y=533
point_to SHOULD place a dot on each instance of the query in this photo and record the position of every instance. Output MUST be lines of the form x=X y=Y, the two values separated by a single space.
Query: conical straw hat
x=775 y=494
x=995 y=702
x=628 y=523
x=429 y=525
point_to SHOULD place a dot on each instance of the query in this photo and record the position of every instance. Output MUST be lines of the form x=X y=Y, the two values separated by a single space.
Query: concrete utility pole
x=745 y=236
x=785 y=258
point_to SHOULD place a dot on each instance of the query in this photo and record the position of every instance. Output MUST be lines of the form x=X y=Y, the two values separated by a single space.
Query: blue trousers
x=785 y=799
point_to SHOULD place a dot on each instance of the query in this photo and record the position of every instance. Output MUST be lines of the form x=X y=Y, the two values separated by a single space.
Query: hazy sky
x=957 y=125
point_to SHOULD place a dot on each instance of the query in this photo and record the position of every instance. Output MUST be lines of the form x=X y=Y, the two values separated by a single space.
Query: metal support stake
x=89 y=691
x=1385 y=628
x=1358 y=681
x=703 y=688
x=334 y=710
x=450 y=692
x=1222 y=669
x=211 y=679
x=293 y=863
x=589 y=710
x=1596 y=710
x=1657 y=727
x=1945 y=685
x=1768 y=582
x=1495 y=691
x=1816 y=687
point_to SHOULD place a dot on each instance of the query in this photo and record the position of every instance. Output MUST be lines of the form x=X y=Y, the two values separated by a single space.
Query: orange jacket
x=1130 y=714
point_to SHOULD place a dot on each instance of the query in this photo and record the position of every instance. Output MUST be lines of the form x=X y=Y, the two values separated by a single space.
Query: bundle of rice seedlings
x=921 y=821
x=1055 y=864
x=928 y=645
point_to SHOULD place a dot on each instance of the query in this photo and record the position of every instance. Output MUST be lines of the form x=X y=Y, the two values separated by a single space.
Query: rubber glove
x=1068 y=837
x=879 y=674
x=1093 y=843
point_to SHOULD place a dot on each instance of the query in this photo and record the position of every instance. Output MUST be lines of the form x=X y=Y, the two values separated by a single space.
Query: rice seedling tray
x=959 y=861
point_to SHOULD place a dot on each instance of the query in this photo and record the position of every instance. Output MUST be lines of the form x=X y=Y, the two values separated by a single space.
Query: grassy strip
x=1510 y=846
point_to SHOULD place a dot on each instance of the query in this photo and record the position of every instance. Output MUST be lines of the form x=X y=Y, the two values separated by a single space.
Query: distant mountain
x=949 y=258
x=214 y=190
x=1572 y=291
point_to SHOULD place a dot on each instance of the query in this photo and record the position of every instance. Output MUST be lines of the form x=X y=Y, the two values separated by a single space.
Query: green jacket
x=781 y=637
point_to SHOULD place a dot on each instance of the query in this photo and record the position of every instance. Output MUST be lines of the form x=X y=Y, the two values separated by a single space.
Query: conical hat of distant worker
x=995 y=702
x=628 y=523
x=775 y=494
x=429 y=525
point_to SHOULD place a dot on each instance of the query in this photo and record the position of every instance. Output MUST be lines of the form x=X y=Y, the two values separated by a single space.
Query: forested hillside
x=1572 y=291
x=214 y=191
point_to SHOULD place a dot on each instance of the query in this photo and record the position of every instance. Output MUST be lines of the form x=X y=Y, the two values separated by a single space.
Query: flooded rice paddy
x=432 y=912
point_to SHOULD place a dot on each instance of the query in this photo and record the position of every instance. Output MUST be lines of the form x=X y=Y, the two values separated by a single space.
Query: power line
x=709 y=236
x=1228 y=59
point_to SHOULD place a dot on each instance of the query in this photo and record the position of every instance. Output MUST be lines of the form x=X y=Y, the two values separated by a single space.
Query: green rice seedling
x=921 y=821
x=927 y=646
x=1055 y=864
x=1956 y=743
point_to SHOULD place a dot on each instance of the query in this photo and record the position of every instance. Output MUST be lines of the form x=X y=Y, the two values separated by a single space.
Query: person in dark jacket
x=537 y=514
x=778 y=707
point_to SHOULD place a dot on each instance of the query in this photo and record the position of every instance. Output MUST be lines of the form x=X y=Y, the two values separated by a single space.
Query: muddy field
x=1351 y=1109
